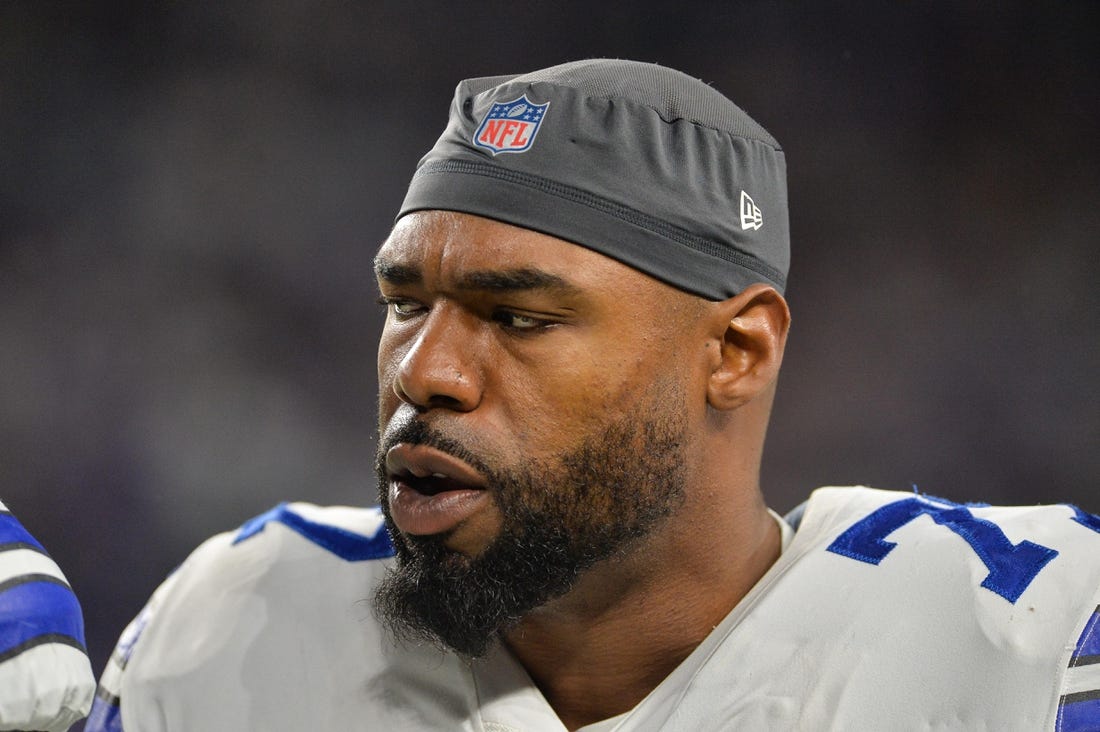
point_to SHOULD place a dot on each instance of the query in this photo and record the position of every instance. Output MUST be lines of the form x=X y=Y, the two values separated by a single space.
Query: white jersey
x=885 y=611
x=46 y=681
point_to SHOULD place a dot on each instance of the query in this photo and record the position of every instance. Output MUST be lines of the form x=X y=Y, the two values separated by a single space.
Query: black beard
x=558 y=520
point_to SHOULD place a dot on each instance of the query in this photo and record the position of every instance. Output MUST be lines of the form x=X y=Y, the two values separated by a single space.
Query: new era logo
x=750 y=214
x=510 y=126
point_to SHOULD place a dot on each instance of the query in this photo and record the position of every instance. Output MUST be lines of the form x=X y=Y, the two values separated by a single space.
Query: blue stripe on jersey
x=1012 y=567
x=1086 y=519
x=347 y=545
x=1088 y=645
x=106 y=714
x=37 y=609
x=1079 y=716
x=12 y=532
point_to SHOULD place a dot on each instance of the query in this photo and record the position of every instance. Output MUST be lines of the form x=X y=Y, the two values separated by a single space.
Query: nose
x=440 y=370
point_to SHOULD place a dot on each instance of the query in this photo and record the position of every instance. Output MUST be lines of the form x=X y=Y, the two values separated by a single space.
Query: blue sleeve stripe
x=24 y=579
x=42 y=640
x=1079 y=712
x=13 y=545
x=35 y=607
x=347 y=545
x=106 y=715
x=12 y=532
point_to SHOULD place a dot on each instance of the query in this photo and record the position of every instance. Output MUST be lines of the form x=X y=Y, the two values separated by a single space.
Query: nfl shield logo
x=510 y=126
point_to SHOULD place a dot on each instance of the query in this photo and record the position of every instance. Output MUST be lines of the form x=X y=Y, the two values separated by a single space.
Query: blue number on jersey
x=1012 y=567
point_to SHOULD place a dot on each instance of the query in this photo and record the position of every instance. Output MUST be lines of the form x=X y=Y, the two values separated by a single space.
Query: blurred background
x=191 y=195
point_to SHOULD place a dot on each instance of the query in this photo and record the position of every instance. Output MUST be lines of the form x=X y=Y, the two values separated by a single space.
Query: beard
x=559 y=518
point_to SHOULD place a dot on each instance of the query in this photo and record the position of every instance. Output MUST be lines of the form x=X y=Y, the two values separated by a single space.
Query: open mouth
x=431 y=491
x=430 y=471
x=434 y=484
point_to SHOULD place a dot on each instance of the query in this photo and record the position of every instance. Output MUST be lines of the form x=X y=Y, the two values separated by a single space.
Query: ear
x=750 y=332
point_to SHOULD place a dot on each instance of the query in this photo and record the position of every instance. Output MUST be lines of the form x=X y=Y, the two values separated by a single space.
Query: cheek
x=390 y=352
x=561 y=398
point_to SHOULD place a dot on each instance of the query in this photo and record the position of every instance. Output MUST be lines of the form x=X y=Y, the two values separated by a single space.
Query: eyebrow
x=505 y=280
x=516 y=280
x=396 y=274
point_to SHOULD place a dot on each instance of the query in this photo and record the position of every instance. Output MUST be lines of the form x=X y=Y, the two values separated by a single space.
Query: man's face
x=532 y=417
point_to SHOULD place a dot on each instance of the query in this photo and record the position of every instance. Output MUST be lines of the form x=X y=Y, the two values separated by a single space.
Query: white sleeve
x=46 y=680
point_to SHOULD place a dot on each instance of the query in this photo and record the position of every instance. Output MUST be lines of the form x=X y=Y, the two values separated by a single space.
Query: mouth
x=431 y=485
x=430 y=491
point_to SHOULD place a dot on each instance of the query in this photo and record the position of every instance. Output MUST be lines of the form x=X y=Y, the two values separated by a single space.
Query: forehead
x=444 y=245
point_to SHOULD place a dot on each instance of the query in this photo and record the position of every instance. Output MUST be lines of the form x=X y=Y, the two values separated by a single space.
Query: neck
x=598 y=651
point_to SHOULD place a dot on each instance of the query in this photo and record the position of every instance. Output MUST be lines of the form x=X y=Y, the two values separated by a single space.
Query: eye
x=401 y=308
x=515 y=321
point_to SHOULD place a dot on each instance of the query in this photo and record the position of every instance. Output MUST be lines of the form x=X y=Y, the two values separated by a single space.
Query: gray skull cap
x=638 y=162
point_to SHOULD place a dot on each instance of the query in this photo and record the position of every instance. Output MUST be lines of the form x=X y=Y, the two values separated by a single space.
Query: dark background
x=191 y=195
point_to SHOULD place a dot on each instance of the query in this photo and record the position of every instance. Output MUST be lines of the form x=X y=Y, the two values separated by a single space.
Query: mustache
x=413 y=431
